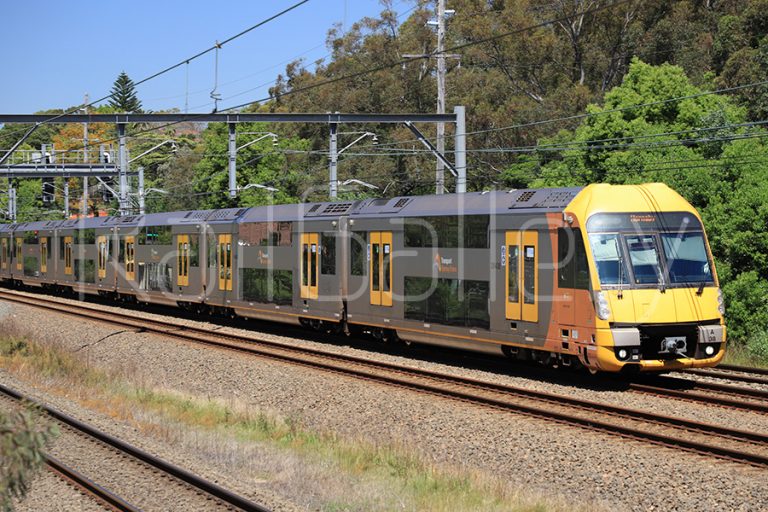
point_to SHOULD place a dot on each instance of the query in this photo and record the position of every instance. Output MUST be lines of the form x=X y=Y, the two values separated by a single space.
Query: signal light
x=47 y=190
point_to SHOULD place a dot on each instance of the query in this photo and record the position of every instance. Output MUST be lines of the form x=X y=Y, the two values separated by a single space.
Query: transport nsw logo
x=445 y=264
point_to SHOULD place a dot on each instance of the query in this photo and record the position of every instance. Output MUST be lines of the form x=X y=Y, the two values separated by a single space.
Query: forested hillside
x=557 y=92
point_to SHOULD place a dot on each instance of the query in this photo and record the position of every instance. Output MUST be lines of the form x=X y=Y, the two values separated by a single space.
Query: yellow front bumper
x=607 y=361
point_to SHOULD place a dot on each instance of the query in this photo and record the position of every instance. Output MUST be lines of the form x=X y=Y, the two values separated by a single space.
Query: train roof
x=582 y=200
x=471 y=203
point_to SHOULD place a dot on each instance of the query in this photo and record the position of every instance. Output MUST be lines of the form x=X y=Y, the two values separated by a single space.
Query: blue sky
x=53 y=52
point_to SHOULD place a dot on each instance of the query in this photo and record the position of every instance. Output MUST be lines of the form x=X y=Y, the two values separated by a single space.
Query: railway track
x=678 y=433
x=135 y=477
x=88 y=487
x=734 y=374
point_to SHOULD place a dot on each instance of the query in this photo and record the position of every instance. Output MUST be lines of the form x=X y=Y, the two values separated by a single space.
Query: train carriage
x=613 y=278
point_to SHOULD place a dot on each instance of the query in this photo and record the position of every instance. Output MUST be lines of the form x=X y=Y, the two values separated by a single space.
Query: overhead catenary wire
x=185 y=61
x=382 y=67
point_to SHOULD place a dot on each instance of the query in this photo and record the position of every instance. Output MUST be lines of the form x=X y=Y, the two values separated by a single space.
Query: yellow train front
x=655 y=292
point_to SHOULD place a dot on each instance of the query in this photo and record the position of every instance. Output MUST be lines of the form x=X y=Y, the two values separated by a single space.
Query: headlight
x=603 y=309
x=720 y=303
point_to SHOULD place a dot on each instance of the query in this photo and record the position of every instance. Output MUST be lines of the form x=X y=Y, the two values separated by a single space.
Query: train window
x=450 y=231
x=513 y=261
x=85 y=236
x=121 y=251
x=529 y=274
x=155 y=235
x=573 y=270
x=416 y=234
x=607 y=254
x=31 y=266
x=417 y=289
x=156 y=277
x=313 y=263
x=644 y=256
x=476 y=295
x=328 y=254
x=212 y=251
x=85 y=271
x=304 y=264
x=194 y=251
x=376 y=285
x=274 y=234
x=267 y=285
x=687 y=258
x=447 y=301
x=358 y=241
x=386 y=267
x=31 y=238
x=476 y=231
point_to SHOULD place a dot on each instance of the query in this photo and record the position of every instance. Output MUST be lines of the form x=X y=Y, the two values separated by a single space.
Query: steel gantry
x=121 y=169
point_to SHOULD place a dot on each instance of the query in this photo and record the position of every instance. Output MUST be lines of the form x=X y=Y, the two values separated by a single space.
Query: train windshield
x=687 y=259
x=657 y=249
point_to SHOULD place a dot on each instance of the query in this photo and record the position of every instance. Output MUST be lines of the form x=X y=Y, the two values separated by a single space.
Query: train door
x=522 y=275
x=43 y=255
x=512 y=275
x=19 y=251
x=380 y=268
x=67 y=255
x=130 y=258
x=103 y=247
x=225 y=262
x=4 y=254
x=182 y=260
x=310 y=265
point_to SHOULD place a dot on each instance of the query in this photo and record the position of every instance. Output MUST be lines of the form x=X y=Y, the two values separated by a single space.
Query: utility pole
x=123 y=167
x=440 y=171
x=333 y=155
x=85 y=161
x=12 y=200
x=66 y=197
x=141 y=191
x=441 y=56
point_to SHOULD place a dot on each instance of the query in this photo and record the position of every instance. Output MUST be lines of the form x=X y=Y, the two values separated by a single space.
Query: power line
x=216 y=46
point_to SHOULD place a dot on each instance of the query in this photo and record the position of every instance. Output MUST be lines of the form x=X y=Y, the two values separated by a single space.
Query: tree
x=123 y=95
x=698 y=146
x=23 y=437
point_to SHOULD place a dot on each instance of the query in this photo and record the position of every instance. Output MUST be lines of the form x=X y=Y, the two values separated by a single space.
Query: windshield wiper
x=701 y=288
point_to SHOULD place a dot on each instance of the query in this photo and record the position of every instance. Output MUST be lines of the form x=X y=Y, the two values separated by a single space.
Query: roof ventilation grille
x=401 y=202
x=337 y=208
x=525 y=196
x=314 y=208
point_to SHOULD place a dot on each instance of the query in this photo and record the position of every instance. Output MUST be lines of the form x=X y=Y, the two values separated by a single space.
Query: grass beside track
x=394 y=476
x=740 y=355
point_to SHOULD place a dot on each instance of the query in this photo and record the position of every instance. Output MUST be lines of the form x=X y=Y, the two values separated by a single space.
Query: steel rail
x=111 y=501
x=693 y=396
x=743 y=369
x=720 y=374
x=226 y=496
x=204 y=336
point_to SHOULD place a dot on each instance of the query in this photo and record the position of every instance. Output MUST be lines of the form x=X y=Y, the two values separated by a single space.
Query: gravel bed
x=135 y=482
x=721 y=380
x=51 y=493
x=744 y=420
x=587 y=468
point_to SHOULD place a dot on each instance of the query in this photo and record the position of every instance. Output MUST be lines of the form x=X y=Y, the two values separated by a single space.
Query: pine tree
x=124 y=97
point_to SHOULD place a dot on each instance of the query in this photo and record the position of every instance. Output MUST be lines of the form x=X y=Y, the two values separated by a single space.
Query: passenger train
x=611 y=278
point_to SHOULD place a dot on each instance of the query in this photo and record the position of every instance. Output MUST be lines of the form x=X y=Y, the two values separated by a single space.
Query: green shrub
x=758 y=347
x=746 y=307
